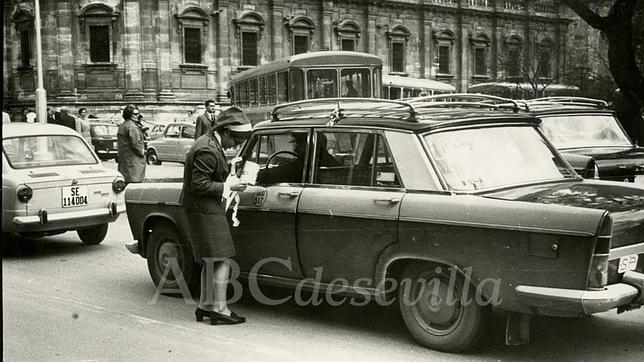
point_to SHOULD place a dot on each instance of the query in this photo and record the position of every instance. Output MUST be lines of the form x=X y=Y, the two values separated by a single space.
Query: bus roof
x=312 y=59
x=408 y=82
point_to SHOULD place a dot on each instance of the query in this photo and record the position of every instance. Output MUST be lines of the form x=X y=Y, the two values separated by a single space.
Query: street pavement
x=63 y=300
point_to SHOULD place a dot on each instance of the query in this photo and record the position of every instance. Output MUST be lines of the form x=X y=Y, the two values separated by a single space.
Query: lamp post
x=41 y=93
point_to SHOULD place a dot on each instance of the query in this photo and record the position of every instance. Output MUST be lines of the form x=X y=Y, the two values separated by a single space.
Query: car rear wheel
x=92 y=235
x=435 y=310
x=164 y=246
x=152 y=158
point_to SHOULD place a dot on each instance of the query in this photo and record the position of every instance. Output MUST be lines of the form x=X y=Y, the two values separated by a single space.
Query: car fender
x=177 y=219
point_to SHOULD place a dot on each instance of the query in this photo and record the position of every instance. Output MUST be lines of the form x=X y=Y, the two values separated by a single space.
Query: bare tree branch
x=589 y=16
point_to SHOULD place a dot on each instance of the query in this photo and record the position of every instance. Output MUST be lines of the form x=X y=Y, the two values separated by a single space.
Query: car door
x=349 y=213
x=168 y=143
x=185 y=142
x=267 y=211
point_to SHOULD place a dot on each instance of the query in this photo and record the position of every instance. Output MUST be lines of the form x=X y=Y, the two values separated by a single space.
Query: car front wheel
x=441 y=313
x=169 y=259
x=152 y=158
x=93 y=235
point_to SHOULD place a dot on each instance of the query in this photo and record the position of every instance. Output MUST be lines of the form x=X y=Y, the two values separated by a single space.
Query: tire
x=152 y=158
x=166 y=242
x=93 y=235
x=434 y=322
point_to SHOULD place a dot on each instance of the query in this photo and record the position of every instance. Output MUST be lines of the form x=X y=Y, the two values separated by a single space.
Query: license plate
x=116 y=144
x=74 y=196
x=626 y=263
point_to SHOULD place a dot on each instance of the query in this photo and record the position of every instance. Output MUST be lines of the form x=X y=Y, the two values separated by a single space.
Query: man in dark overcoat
x=131 y=148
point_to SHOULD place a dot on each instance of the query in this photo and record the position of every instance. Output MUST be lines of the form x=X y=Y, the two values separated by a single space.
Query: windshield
x=492 y=157
x=105 y=130
x=584 y=131
x=40 y=151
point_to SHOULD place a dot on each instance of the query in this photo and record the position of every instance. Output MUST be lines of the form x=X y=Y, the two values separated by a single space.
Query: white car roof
x=18 y=129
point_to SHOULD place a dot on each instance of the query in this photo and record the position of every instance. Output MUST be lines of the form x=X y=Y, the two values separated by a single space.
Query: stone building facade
x=169 y=56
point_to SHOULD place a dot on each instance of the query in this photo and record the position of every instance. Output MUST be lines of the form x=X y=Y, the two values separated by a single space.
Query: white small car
x=52 y=182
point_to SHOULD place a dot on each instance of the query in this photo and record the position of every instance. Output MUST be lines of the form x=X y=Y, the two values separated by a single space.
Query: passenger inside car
x=287 y=171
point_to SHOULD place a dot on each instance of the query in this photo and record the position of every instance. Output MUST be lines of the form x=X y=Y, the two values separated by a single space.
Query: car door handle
x=290 y=194
x=393 y=200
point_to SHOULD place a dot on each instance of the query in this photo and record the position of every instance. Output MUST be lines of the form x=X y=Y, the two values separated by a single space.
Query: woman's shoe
x=220 y=318
x=200 y=313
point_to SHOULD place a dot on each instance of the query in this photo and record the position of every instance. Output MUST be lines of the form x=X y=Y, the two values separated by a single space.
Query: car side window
x=188 y=132
x=172 y=131
x=281 y=156
x=353 y=159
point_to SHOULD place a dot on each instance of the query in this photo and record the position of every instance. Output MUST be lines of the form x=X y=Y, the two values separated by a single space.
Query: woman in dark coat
x=203 y=182
x=131 y=149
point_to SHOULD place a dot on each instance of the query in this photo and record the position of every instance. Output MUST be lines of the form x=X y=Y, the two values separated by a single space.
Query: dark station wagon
x=104 y=140
x=583 y=126
x=464 y=208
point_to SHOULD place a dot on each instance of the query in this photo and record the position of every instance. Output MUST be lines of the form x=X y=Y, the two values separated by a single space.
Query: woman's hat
x=233 y=119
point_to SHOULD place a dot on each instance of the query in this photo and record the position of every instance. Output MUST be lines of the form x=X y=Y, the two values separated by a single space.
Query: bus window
x=385 y=92
x=270 y=89
x=232 y=93
x=243 y=94
x=322 y=83
x=262 y=90
x=282 y=90
x=296 y=82
x=355 y=83
x=252 y=91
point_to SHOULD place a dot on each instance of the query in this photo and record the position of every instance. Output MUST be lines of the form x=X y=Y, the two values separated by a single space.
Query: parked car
x=582 y=126
x=104 y=140
x=156 y=131
x=52 y=182
x=452 y=209
x=173 y=145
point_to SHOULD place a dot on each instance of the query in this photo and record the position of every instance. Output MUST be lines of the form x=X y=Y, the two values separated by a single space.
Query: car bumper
x=573 y=302
x=107 y=152
x=45 y=221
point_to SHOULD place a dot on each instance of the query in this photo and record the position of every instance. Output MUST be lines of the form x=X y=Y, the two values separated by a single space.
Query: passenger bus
x=523 y=90
x=321 y=74
x=397 y=87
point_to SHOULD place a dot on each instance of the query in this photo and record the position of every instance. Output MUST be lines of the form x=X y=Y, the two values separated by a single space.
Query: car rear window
x=575 y=131
x=105 y=130
x=42 y=151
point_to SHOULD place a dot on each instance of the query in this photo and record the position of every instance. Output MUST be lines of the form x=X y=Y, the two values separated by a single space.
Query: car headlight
x=118 y=185
x=24 y=193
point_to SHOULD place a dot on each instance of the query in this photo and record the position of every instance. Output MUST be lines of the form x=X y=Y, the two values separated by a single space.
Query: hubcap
x=439 y=309
x=168 y=250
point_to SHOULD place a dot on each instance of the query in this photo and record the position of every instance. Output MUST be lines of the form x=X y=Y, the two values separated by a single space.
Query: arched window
x=23 y=18
x=193 y=28
x=301 y=29
x=249 y=30
x=348 y=34
x=513 y=49
x=398 y=39
x=444 y=41
x=480 y=43
x=97 y=26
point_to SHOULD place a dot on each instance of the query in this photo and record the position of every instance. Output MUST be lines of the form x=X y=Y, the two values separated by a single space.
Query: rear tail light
x=24 y=193
x=598 y=272
x=118 y=185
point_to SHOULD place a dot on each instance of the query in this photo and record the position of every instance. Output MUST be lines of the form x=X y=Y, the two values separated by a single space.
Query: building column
x=164 y=66
x=278 y=44
x=225 y=33
x=326 y=28
x=66 y=49
x=372 y=31
x=132 y=37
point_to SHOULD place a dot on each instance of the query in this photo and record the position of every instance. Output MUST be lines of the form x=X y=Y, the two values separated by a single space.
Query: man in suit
x=206 y=121
x=66 y=119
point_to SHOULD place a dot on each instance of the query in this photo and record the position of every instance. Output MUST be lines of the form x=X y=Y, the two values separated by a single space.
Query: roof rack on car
x=339 y=108
x=577 y=101
x=465 y=99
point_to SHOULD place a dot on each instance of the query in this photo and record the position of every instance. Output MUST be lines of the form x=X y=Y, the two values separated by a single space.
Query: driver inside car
x=287 y=171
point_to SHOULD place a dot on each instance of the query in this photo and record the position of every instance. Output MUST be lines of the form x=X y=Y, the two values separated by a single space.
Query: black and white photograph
x=320 y=180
